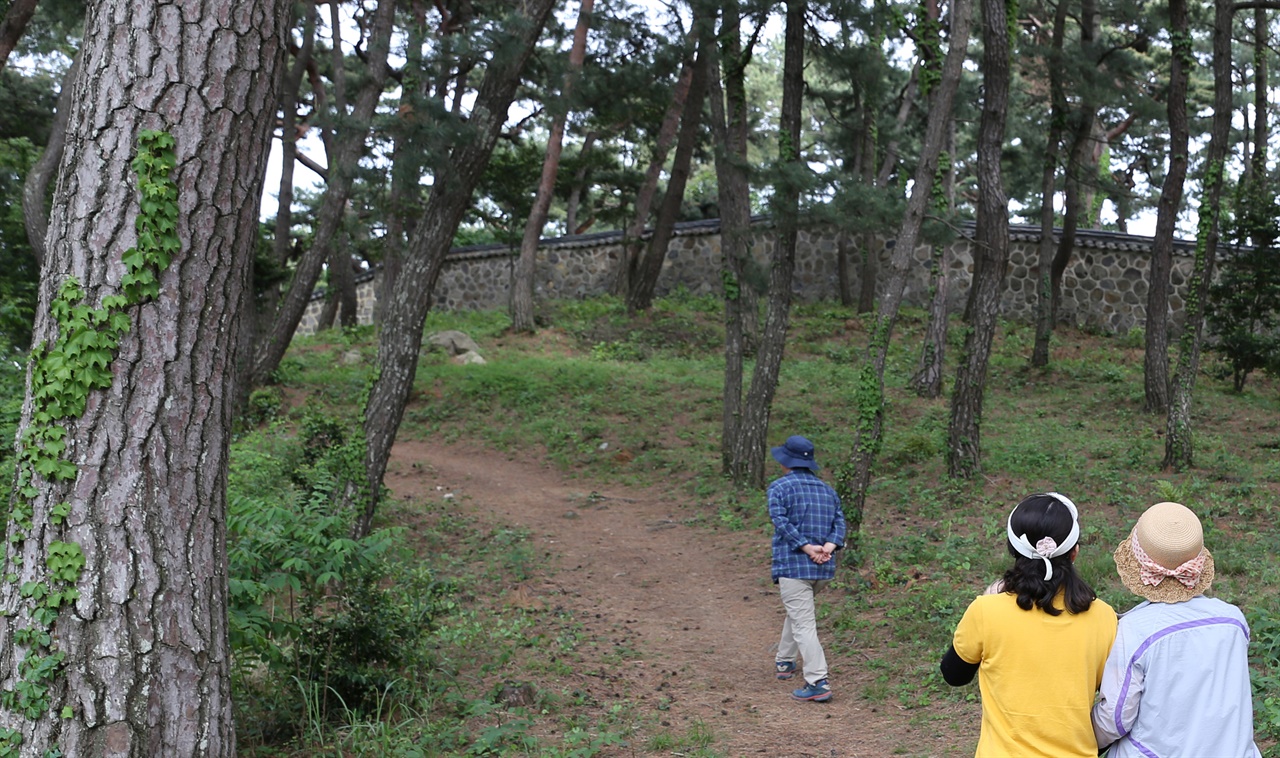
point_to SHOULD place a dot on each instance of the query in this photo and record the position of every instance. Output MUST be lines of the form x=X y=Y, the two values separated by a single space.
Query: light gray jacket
x=1177 y=683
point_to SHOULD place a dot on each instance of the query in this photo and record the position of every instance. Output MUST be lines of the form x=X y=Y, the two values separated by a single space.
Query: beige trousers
x=800 y=630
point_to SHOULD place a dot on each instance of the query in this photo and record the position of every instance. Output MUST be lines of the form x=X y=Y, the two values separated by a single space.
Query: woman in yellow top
x=1038 y=640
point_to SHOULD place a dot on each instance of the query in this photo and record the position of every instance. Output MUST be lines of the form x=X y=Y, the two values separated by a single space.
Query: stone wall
x=1104 y=286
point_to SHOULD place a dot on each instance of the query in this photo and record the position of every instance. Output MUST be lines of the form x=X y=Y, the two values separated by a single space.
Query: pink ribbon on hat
x=1153 y=573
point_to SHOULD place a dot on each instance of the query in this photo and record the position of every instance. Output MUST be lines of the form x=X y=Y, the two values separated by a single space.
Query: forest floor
x=679 y=621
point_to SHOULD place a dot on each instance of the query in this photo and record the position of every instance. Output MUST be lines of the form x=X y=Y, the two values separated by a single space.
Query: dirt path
x=695 y=606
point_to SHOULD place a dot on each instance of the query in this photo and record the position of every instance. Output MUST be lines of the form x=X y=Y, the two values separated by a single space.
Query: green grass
x=636 y=402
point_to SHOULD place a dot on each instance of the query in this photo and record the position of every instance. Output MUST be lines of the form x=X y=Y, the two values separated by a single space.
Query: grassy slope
x=651 y=388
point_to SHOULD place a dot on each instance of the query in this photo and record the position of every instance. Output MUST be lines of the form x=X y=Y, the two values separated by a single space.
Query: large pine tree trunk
x=1080 y=172
x=854 y=479
x=400 y=338
x=1179 y=444
x=146 y=671
x=348 y=146
x=522 y=281
x=753 y=427
x=991 y=246
x=1049 y=188
x=1156 y=355
x=927 y=381
x=729 y=125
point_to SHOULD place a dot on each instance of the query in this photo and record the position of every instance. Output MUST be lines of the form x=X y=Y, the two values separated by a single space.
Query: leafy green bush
x=1244 y=313
x=263 y=406
x=321 y=624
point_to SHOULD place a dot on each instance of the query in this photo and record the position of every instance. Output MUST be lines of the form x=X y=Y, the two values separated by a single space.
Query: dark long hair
x=1041 y=516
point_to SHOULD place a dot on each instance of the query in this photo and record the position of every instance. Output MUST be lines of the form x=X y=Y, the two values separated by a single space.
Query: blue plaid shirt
x=805 y=511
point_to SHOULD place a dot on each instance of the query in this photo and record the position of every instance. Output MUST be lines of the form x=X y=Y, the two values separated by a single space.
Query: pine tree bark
x=147 y=660
x=1156 y=355
x=991 y=245
x=854 y=479
x=400 y=338
x=522 y=281
x=1179 y=444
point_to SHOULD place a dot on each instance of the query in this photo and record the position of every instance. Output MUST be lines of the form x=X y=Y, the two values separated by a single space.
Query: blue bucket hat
x=796 y=452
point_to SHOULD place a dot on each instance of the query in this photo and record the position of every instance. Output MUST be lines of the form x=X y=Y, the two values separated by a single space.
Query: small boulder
x=469 y=358
x=454 y=342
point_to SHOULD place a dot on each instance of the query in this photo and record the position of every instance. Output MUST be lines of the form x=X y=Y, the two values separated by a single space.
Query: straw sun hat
x=1170 y=536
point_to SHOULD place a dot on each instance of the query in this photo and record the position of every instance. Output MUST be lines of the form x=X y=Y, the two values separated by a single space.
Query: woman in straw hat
x=1037 y=640
x=1177 y=679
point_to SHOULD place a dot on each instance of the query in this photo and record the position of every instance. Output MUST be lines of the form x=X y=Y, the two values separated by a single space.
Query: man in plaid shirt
x=808 y=527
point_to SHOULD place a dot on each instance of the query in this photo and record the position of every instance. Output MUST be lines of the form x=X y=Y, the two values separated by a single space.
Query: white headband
x=1046 y=548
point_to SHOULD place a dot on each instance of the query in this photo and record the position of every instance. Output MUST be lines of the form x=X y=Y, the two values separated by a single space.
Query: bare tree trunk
x=400 y=338
x=342 y=276
x=927 y=381
x=579 y=185
x=854 y=479
x=348 y=146
x=135 y=506
x=1079 y=173
x=633 y=245
x=340 y=301
x=648 y=267
x=729 y=125
x=1048 y=188
x=891 y=150
x=991 y=244
x=406 y=152
x=1156 y=356
x=868 y=272
x=289 y=134
x=522 y=282
x=14 y=24
x=844 y=266
x=35 y=189
x=1179 y=444
x=753 y=427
